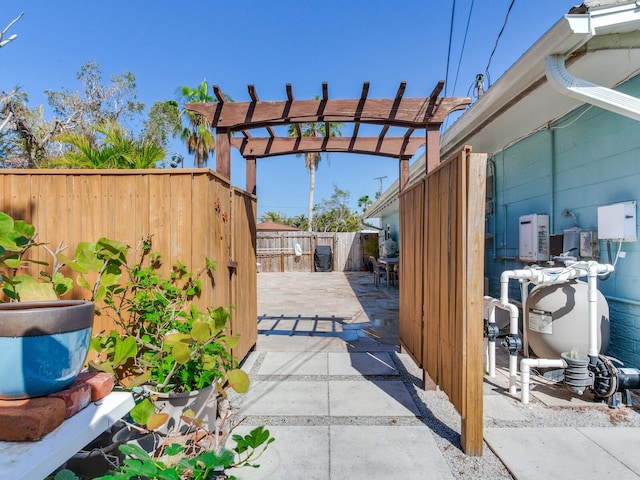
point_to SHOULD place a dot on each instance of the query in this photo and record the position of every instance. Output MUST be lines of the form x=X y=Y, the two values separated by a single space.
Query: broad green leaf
x=30 y=290
x=72 y=264
x=102 y=367
x=86 y=257
x=111 y=275
x=134 y=451
x=174 y=449
x=13 y=262
x=23 y=228
x=175 y=338
x=230 y=342
x=83 y=282
x=201 y=331
x=142 y=411
x=61 y=284
x=141 y=379
x=181 y=352
x=238 y=380
x=124 y=350
x=168 y=474
x=101 y=291
x=65 y=475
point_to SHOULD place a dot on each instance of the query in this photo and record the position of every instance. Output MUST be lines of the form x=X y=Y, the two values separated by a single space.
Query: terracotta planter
x=43 y=346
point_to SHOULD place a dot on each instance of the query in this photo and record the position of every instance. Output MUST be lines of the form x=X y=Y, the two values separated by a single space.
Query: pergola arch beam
x=393 y=147
x=425 y=113
x=408 y=112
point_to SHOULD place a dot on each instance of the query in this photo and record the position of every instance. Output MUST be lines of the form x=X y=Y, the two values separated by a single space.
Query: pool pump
x=601 y=375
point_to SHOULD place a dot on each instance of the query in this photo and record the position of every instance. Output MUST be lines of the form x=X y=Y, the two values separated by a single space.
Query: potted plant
x=43 y=341
x=180 y=354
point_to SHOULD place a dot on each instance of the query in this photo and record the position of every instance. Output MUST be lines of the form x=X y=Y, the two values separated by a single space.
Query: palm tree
x=116 y=149
x=197 y=135
x=365 y=202
x=312 y=159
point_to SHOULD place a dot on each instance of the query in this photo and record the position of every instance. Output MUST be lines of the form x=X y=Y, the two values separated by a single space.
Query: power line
x=446 y=78
x=464 y=42
x=506 y=18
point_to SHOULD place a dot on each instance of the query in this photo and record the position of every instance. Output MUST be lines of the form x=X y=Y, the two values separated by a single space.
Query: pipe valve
x=513 y=343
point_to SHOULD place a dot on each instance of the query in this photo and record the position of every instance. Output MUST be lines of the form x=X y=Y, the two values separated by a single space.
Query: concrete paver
x=277 y=398
x=361 y=363
x=370 y=399
x=537 y=453
x=295 y=363
x=373 y=453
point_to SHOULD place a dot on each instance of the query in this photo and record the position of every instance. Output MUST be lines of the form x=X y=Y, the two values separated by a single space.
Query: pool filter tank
x=557 y=319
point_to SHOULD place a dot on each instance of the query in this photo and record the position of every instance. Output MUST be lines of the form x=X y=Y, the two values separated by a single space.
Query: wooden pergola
x=412 y=114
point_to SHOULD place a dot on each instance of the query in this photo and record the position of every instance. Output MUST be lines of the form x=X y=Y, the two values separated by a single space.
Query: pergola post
x=251 y=175
x=403 y=176
x=433 y=147
x=223 y=152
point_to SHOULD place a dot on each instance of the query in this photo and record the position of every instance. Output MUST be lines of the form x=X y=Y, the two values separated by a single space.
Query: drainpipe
x=588 y=92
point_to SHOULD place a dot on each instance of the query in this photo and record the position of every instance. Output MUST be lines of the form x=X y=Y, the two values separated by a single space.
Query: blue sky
x=269 y=44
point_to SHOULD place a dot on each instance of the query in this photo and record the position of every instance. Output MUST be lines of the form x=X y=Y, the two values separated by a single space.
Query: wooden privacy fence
x=277 y=250
x=193 y=214
x=442 y=271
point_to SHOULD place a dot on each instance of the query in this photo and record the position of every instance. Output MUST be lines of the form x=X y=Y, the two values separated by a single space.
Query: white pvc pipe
x=539 y=275
x=524 y=293
x=490 y=345
x=525 y=368
x=492 y=304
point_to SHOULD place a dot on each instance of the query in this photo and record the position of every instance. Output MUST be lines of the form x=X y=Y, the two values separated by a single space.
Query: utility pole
x=380 y=178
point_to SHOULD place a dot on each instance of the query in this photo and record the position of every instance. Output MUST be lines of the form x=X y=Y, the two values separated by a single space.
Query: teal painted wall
x=391 y=223
x=587 y=159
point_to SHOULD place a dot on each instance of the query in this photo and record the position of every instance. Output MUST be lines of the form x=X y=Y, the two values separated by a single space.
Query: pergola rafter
x=413 y=114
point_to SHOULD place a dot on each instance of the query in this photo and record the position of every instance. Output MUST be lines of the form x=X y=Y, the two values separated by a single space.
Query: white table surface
x=36 y=460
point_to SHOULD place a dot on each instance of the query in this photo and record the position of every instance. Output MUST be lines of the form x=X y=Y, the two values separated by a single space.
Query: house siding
x=587 y=159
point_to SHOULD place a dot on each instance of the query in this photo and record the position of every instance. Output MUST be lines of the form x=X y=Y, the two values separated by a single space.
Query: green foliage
x=334 y=215
x=163 y=338
x=32 y=141
x=17 y=239
x=115 y=147
x=196 y=132
x=163 y=122
x=177 y=463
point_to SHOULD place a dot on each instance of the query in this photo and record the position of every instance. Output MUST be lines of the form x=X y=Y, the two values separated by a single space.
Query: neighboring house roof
x=601 y=44
x=275 y=227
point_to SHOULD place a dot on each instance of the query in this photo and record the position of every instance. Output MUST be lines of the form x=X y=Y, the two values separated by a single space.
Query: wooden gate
x=442 y=251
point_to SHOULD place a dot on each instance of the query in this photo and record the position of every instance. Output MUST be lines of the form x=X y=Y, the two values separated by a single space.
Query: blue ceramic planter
x=43 y=346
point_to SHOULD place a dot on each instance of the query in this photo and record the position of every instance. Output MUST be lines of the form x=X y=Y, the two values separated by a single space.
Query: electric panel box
x=617 y=222
x=534 y=238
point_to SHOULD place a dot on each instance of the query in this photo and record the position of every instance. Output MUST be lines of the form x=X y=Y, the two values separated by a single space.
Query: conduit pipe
x=525 y=369
x=588 y=92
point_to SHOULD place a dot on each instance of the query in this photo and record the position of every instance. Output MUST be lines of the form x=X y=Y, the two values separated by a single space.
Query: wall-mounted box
x=617 y=222
x=589 y=244
x=534 y=238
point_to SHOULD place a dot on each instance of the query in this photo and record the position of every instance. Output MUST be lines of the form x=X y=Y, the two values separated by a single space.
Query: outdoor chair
x=378 y=271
